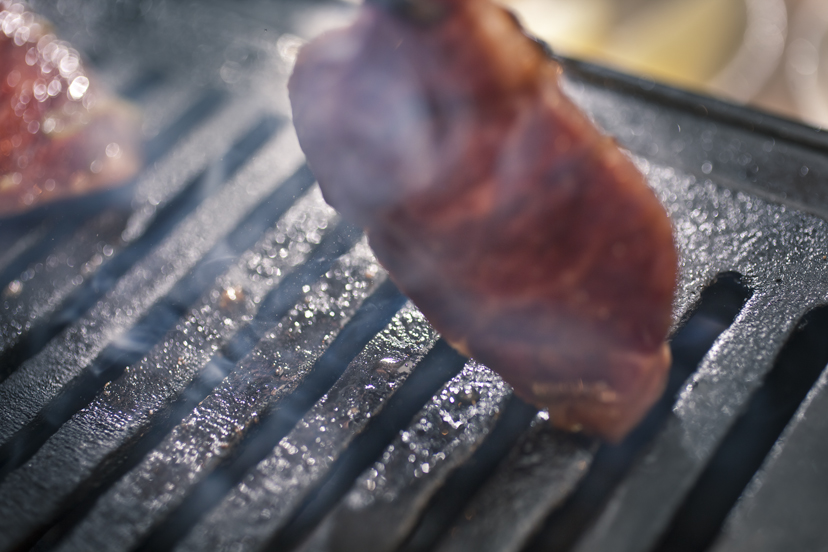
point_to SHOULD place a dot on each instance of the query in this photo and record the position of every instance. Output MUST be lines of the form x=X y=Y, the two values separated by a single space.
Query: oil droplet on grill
x=232 y=299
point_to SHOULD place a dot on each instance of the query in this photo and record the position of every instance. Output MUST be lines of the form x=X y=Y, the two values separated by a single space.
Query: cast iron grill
x=211 y=360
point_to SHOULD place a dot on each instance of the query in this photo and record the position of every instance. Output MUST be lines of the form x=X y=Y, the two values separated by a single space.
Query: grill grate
x=210 y=359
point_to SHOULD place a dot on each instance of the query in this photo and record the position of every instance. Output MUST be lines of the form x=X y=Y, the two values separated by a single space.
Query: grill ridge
x=153 y=276
x=304 y=456
x=204 y=105
x=262 y=381
x=111 y=460
x=131 y=347
x=375 y=313
x=17 y=236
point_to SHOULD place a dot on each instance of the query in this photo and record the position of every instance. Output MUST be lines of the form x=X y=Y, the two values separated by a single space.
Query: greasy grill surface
x=210 y=359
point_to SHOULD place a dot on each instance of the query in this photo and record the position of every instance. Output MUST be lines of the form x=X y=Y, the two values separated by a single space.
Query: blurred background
x=772 y=54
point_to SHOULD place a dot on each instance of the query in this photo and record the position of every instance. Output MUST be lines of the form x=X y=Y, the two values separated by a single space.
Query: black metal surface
x=448 y=502
x=374 y=314
x=441 y=364
x=718 y=306
x=253 y=512
x=725 y=224
x=698 y=521
x=216 y=363
x=263 y=380
x=72 y=478
x=766 y=518
x=147 y=331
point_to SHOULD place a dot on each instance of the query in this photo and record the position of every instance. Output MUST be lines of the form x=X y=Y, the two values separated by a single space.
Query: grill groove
x=276 y=423
x=802 y=360
x=262 y=381
x=113 y=442
x=441 y=364
x=718 y=306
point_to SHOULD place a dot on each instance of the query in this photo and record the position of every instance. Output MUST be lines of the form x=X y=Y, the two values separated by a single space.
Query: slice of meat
x=527 y=237
x=60 y=133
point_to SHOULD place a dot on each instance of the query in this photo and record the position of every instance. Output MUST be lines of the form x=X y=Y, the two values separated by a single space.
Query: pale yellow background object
x=682 y=42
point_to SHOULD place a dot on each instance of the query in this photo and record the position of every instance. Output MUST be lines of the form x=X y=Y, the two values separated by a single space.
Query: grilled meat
x=527 y=237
